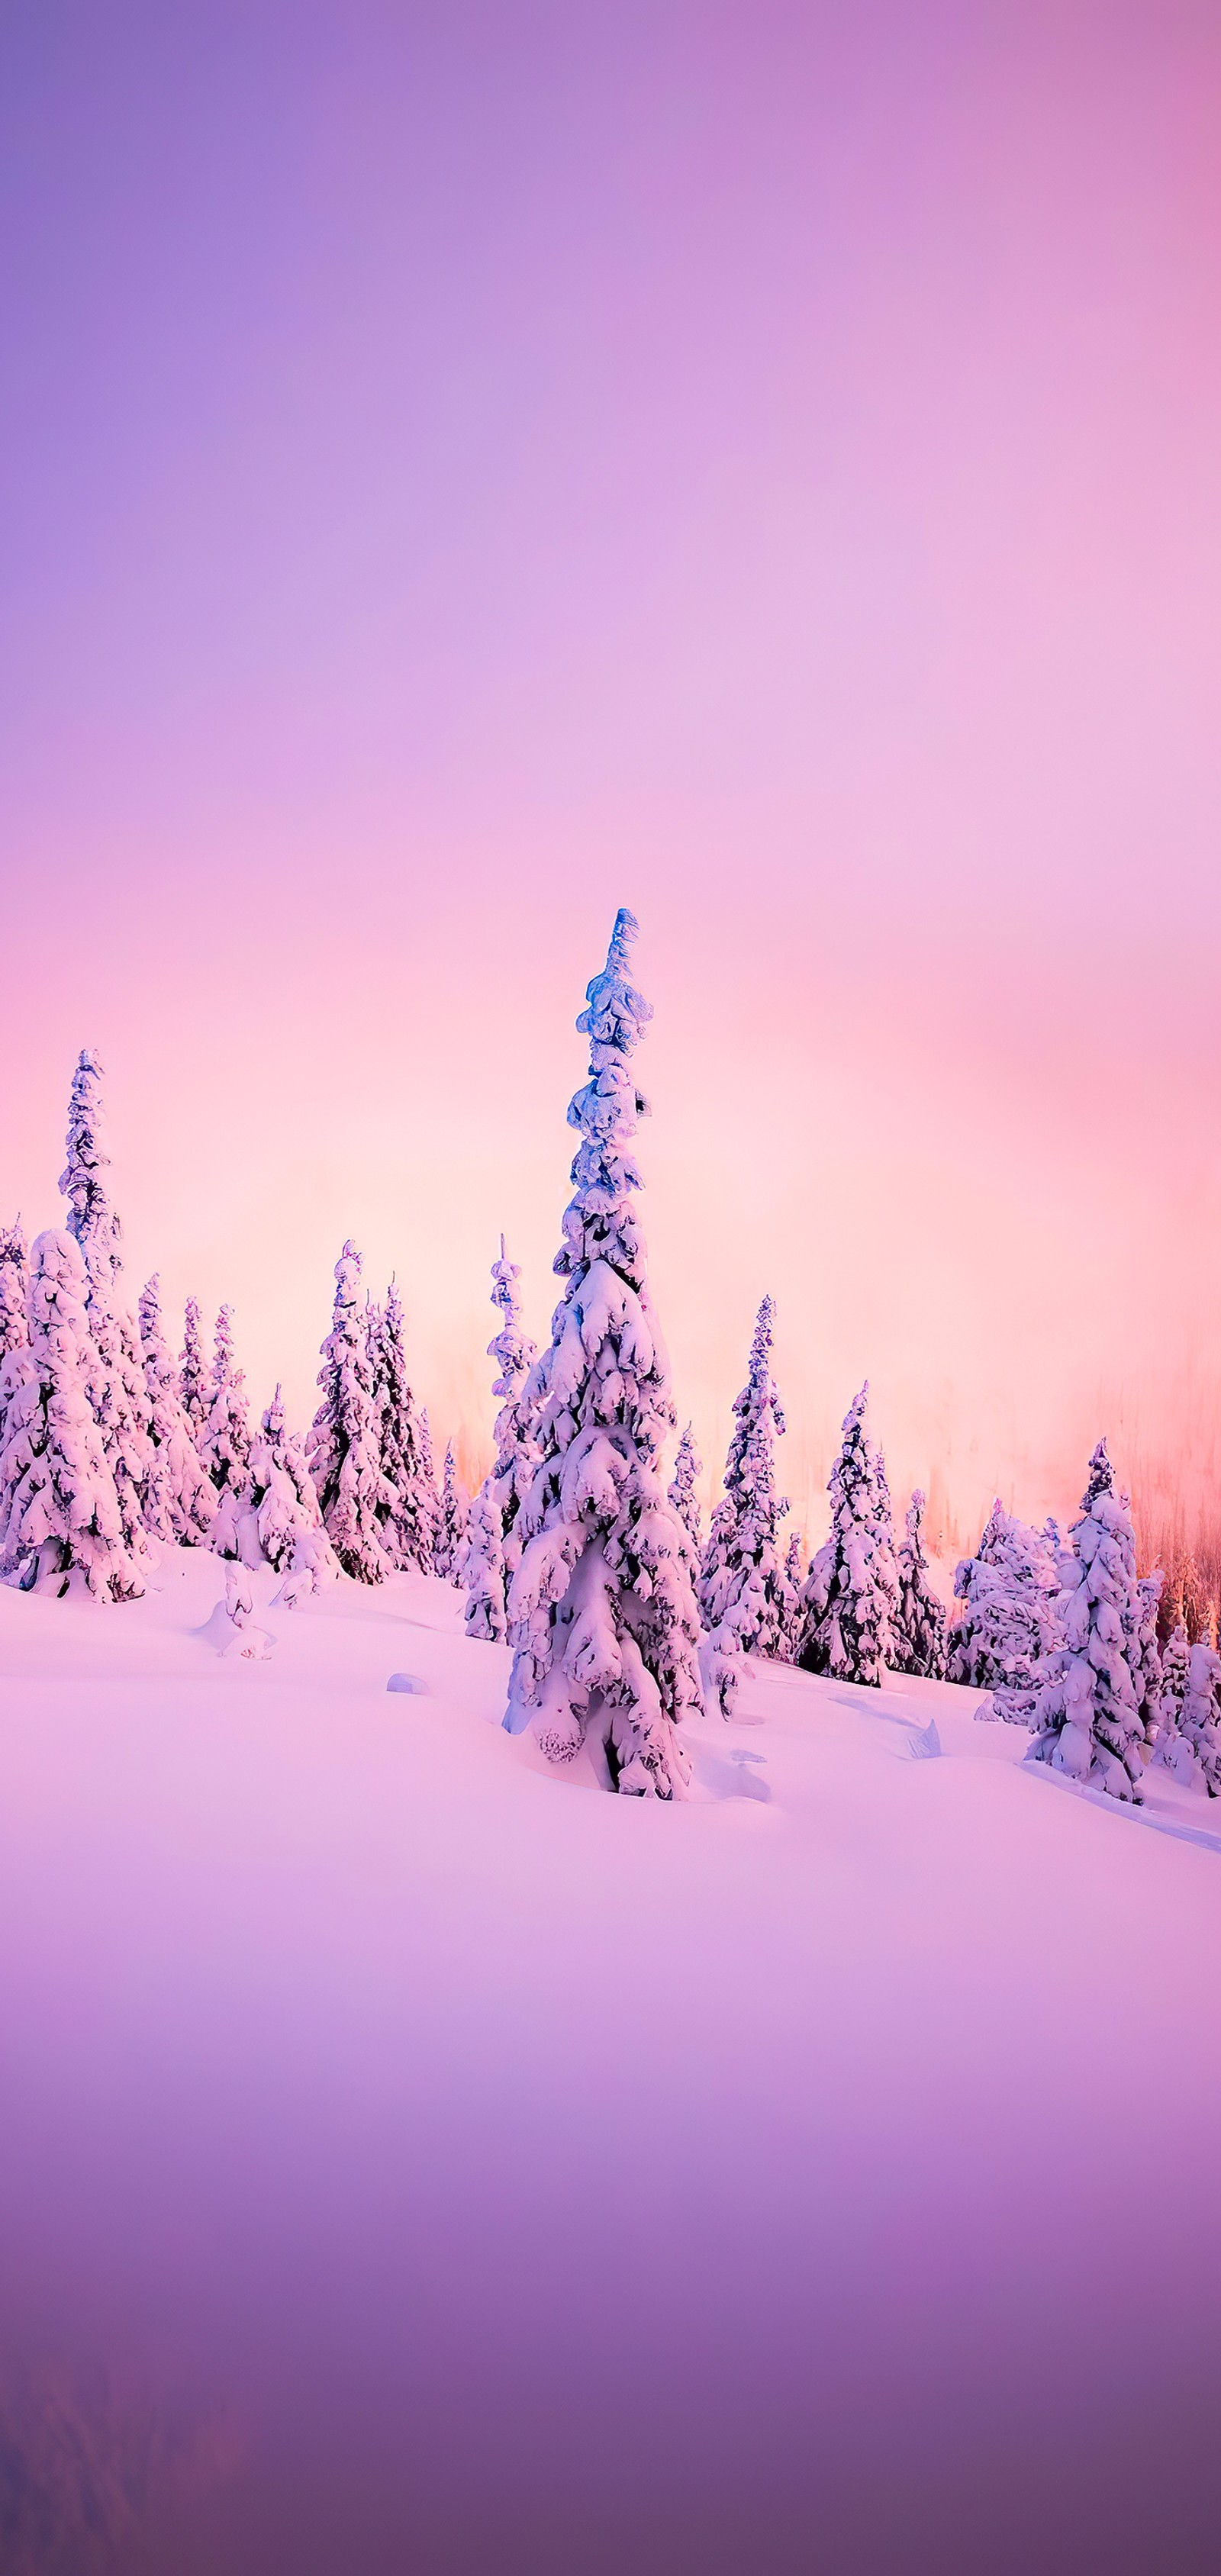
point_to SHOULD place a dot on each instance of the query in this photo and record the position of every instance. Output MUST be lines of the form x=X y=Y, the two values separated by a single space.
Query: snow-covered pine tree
x=344 y=1445
x=743 y=1589
x=224 y=1448
x=847 y=1596
x=179 y=1496
x=1011 y=1619
x=116 y=1388
x=14 y=1264
x=286 y=1514
x=491 y=1550
x=1199 y=1761
x=602 y=1609
x=194 y=1374
x=964 y=1655
x=451 y=1537
x=1088 y=1710
x=796 y=1568
x=682 y=1495
x=1169 y=1747
x=406 y=1510
x=920 y=1626
x=1144 y=1655
x=61 y=1525
x=430 y=1499
x=886 y=1554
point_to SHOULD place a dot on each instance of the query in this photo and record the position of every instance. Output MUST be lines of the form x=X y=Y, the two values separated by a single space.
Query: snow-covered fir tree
x=179 y=1496
x=920 y=1625
x=194 y=1372
x=886 y=1554
x=451 y=1535
x=406 y=1510
x=602 y=1607
x=492 y=1549
x=116 y=1389
x=287 y=1517
x=61 y=1523
x=1143 y=1649
x=344 y=1451
x=848 y=1599
x=430 y=1499
x=14 y=1264
x=1199 y=1749
x=682 y=1495
x=1009 y=1590
x=1176 y=1677
x=224 y=1447
x=743 y=1588
x=797 y=1569
x=1088 y=1709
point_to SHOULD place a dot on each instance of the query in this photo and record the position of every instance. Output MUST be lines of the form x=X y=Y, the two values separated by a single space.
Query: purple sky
x=466 y=467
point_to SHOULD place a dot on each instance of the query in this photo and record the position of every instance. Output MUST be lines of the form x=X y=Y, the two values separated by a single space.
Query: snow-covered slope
x=468 y=2170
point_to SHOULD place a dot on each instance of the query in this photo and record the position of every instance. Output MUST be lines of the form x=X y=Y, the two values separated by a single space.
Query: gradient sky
x=468 y=466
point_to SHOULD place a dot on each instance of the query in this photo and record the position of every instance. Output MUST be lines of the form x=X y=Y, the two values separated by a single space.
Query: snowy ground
x=469 y=2171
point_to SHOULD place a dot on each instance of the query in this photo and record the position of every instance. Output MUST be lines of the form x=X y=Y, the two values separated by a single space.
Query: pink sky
x=467 y=467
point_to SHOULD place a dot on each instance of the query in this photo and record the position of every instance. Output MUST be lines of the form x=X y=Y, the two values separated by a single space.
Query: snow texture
x=603 y=1619
x=61 y=1522
x=1088 y=1709
x=920 y=1625
x=179 y=1496
x=345 y=1442
x=851 y=1589
x=682 y=1495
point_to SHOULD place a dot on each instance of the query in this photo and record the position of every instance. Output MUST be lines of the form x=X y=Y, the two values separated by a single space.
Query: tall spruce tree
x=61 y=1523
x=602 y=1607
x=224 y=1449
x=194 y=1373
x=179 y=1496
x=287 y=1517
x=344 y=1446
x=116 y=1389
x=1088 y=1711
x=1010 y=1620
x=492 y=1548
x=847 y=1631
x=920 y=1625
x=451 y=1537
x=1143 y=1650
x=682 y=1496
x=406 y=1509
x=743 y=1587
x=14 y=1269
x=430 y=1499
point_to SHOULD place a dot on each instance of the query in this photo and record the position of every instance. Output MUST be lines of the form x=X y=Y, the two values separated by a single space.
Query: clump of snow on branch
x=602 y=1609
x=179 y=1496
x=345 y=1443
x=61 y=1522
x=1088 y=1710
x=920 y=1625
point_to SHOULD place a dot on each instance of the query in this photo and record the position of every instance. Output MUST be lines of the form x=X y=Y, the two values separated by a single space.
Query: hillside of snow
x=416 y=2161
